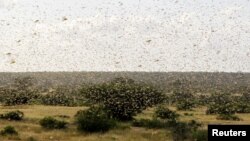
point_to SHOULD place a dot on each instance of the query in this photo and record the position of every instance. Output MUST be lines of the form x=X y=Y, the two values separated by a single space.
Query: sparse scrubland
x=121 y=109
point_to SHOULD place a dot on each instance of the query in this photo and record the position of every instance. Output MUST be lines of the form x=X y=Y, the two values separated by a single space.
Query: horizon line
x=122 y=72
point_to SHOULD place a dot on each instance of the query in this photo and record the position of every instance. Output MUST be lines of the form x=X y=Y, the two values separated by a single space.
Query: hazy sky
x=125 y=35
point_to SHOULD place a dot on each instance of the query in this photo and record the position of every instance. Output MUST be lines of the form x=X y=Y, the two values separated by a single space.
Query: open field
x=181 y=110
x=30 y=127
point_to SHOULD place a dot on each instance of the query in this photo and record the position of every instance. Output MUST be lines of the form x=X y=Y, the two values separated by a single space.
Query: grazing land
x=121 y=106
x=30 y=127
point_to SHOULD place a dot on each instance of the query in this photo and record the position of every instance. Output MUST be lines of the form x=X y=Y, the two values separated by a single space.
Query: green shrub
x=52 y=123
x=122 y=98
x=200 y=135
x=59 y=97
x=63 y=116
x=181 y=95
x=57 y=100
x=185 y=105
x=243 y=107
x=14 y=115
x=151 y=124
x=246 y=96
x=202 y=100
x=194 y=125
x=221 y=104
x=182 y=131
x=165 y=113
x=22 y=92
x=9 y=130
x=80 y=112
x=224 y=105
x=221 y=109
x=18 y=97
x=31 y=139
x=184 y=100
x=188 y=114
x=228 y=117
x=95 y=119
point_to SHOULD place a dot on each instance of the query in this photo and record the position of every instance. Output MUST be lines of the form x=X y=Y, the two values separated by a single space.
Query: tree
x=22 y=92
x=123 y=100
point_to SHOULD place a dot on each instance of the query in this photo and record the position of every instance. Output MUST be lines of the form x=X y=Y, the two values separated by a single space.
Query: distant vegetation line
x=198 y=81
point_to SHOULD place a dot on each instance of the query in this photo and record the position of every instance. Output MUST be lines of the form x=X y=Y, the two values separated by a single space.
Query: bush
x=31 y=139
x=246 y=95
x=18 y=97
x=182 y=131
x=59 y=97
x=202 y=100
x=243 y=107
x=185 y=105
x=123 y=98
x=221 y=104
x=57 y=100
x=225 y=109
x=9 y=130
x=165 y=113
x=188 y=114
x=95 y=119
x=227 y=117
x=194 y=125
x=151 y=124
x=14 y=115
x=52 y=123
x=180 y=95
x=200 y=135
x=184 y=100
x=22 y=92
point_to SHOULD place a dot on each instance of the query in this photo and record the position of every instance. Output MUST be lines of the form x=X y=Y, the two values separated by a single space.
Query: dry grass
x=199 y=115
x=30 y=127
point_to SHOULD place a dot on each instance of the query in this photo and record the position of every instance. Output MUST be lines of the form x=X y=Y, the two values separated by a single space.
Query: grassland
x=30 y=127
x=184 y=91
